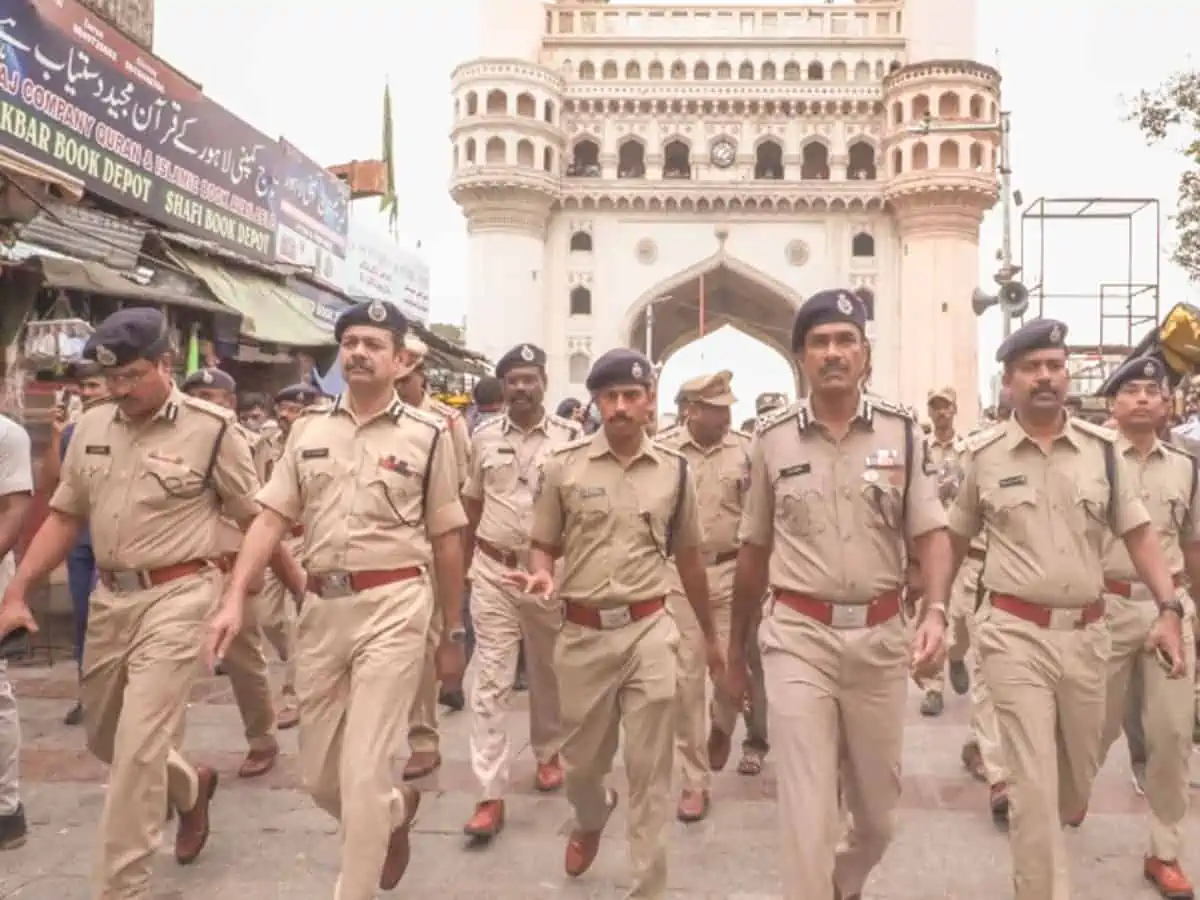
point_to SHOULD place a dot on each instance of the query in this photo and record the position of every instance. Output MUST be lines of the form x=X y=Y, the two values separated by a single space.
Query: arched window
x=585 y=160
x=768 y=161
x=862 y=246
x=816 y=71
x=677 y=160
x=861 y=162
x=496 y=152
x=497 y=103
x=581 y=242
x=631 y=159
x=581 y=301
x=814 y=162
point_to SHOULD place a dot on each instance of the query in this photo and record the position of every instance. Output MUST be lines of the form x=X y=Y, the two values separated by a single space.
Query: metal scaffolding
x=1125 y=294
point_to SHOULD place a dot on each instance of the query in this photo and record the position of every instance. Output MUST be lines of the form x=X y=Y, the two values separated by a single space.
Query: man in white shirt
x=16 y=489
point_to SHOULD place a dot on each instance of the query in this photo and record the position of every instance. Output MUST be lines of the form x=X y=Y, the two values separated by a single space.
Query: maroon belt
x=144 y=579
x=1043 y=616
x=877 y=611
x=616 y=617
x=1125 y=588
x=506 y=558
x=340 y=584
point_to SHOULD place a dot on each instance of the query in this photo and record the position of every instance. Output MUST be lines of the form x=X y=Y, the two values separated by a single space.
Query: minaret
x=507 y=146
x=940 y=184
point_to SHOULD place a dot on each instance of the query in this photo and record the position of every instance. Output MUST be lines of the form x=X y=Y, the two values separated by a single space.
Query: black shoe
x=452 y=700
x=933 y=704
x=960 y=679
x=75 y=716
x=13 y=830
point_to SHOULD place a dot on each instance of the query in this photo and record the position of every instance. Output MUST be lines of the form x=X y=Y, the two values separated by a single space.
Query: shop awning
x=96 y=278
x=271 y=312
x=16 y=164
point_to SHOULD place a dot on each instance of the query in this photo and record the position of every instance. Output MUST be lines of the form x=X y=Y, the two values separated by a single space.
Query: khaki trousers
x=503 y=616
x=836 y=704
x=10 y=746
x=1165 y=706
x=141 y=657
x=245 y=663
x=698 y=700
x=423 y=734
x=359 y=664
x=1048 y=686
x=608 y=680
x=961 y=612
x=983 y=714
x=278 y=623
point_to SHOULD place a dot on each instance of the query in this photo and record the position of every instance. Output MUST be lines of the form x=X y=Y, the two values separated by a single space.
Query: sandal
x=751 y=763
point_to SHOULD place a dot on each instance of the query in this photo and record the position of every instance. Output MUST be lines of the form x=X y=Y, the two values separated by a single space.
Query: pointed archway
x=735 y=293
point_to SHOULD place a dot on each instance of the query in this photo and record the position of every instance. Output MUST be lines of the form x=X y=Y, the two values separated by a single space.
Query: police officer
x=423 y=739
x=507 y=455
x=838 y=485
x=1046 y=489
x=245 y=663
x=372 y=480
x=154 y=472
x=1166 y=479
x=717 y=456
x=276 y=604
x=616 y=507
x=944 y=447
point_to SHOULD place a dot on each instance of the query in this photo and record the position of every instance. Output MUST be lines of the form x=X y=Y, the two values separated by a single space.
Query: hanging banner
x=314 y=215
x=379 y=269
x=80 y=97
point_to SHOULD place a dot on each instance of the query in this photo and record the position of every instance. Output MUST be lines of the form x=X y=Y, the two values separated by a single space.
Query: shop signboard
x=377 y=268
x=78 y=96
x=314 y=215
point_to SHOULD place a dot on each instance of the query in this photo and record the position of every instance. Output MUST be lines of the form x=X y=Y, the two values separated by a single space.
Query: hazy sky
x=314 y=72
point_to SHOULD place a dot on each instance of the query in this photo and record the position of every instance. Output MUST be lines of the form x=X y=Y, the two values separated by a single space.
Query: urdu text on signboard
x=314 y=215
x=79 y=97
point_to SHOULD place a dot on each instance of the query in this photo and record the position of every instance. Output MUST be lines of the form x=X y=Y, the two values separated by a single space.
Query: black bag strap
x=910 y=443
x=680 y=487
x=216 y=451
x=1110 y=470
x=437 y=434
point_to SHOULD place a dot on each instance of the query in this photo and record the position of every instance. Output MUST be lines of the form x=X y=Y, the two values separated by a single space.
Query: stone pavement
x=270 y=842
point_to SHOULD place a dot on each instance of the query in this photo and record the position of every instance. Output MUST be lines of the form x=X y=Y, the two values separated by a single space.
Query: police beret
x=304 y=394
x=1036 y=334
x=712 y=390
x=210 y=378
x=825 y=307
x=620 y=366
x=523 y=355
x=1141 y=368
x=128 y=335
x=376 y=314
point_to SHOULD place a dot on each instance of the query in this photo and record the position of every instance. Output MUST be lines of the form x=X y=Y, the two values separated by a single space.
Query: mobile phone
x=15 y=644
x=1164 y=660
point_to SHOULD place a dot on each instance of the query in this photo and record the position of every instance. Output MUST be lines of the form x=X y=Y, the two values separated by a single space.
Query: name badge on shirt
x=315 y=453
x=798 y=469
x=98 y=450
x=1013 y=481
x=510 y=451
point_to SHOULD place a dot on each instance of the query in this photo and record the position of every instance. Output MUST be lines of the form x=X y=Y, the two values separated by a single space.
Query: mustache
x=833 y=366
x=357 y=364
x=620 y=417
x=1044 y=389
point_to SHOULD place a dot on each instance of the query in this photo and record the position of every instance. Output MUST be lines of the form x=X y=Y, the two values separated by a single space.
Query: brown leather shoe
x=289 y=713
x=549 y=775
x=422 y=763
x=259 y=762
x=972 y=760
x=582 y=846
x=399 y=850
x=1168 y=879
x=192 y=833
x=693 y=806
x=719 y=746
x=487 y=822
x=1076 y=820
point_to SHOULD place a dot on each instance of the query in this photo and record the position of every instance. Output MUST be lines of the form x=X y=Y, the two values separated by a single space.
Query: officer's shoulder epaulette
x=895 y=409
x=984 y=437
x=489 y=424
x=569 y=425
x=669 y=450
x=775 y=419
x=316 y=409
x=218 y=412
x=96 y=409
x=738 y=433
x=570 y=445
x=669 y=432
x=1096 y=431
x=444 y=409
x=1182 y=451
x=424 y=416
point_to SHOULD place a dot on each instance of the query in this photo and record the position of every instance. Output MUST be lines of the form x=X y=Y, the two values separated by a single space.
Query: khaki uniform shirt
x=611 y=521
x=1165 y=482
x=1045 y=515
x=459 y=438
x=506 y=465
x=142 y=486
x=369 y=493
x=833 y=513
x=720 y=473
x=229 y=539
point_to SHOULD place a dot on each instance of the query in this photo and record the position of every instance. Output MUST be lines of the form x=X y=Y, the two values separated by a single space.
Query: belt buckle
x=849 y=616
x=1065 y=619
x=617 y=617
x=126 y=581
x=335 y=585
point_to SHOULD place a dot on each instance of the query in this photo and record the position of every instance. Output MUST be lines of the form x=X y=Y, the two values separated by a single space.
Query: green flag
x=388 y=203
x=193 y=351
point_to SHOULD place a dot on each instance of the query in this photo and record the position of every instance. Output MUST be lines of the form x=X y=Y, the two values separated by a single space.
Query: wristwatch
x=1171 y=604
x=940 y=609
x=457 y=635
